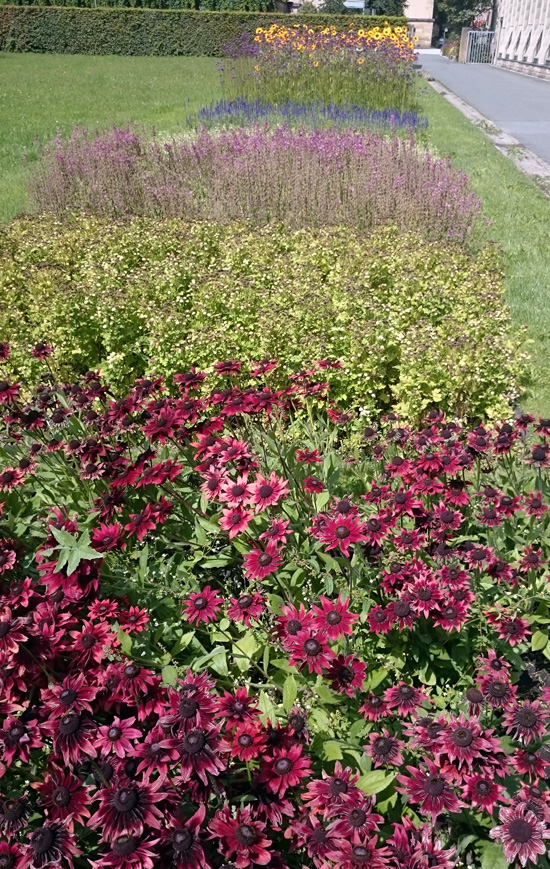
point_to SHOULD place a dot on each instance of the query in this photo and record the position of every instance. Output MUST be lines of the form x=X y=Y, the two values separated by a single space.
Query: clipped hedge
x=63 y=30
x=414 y=323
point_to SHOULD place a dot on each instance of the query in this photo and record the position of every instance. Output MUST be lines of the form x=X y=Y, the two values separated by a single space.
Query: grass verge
x=520 y=215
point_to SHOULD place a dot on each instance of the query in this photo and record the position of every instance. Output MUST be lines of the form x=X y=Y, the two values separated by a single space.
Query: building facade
x=522 y=33
x=421 y=16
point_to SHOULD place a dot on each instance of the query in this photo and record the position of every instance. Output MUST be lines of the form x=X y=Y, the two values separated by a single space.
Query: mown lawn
x=40 y=93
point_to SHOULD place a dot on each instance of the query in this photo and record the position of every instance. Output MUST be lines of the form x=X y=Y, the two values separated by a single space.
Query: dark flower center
x=375 y=702
x=114 y=733
x=424 y=593
x=342 y=531
x=182 y=840
x=42 y=840
x=463 y=737
x=200 y=603
x=69 y=724
x=282 y=766
x=61 y=797
x=338 y=786
x=131 y=671
x=4 y=626
x=400 y=498
x=188 y=707
x=447 y=517
x=7 y=861
x=319 y=836
x=245 y=740
x=497 y=689
x=297 y=722
x=123 y=846
x=293 y=626
x=434 y=786
x=237 y=491
x=265 y=559
x=474 y=695
x=536 y=503
x=246 y=835
x=17 y=731
x=345 y=674
x=88 y=640
x=357 y=817
x=194 y=742
x=125 y=799
x=212 y=485
x=245 y=601
x=239 y=707
x=450 y=612
x=526 y=717
x=343 y=507
x=7 y=477
x=483 y=788
x=401 y=609
x=265 y=491
x=334 y=618
x=383 y=745
x=539 y=454
x=12 y=810
x=361 y=854
x=520 y=830
x=374 y=525
x=312 y=647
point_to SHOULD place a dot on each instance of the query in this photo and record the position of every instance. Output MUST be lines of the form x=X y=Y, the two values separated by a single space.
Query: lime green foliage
x=42 y=92
x=67 y=30
x=414 y=324
x=520 y=217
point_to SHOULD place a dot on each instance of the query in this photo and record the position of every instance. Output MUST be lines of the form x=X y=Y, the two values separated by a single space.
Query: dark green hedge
x=64 y=30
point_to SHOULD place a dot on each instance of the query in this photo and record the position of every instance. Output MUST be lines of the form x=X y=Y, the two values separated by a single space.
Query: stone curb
x=524 y=159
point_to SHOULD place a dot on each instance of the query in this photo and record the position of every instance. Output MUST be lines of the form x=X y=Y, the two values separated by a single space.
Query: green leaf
x=492 y=856
x=332 y=750
x=290 y=692
x=125 y=643
x=219 y=662
x=170 y=675
x=244 y=650
x=375 y=781
x=267 y=708
x=538 y=641
x=63 y=537
x=375 y=678
x=321 y=500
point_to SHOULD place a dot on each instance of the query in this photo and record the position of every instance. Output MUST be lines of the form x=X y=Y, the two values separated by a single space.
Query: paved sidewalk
x=518 y=104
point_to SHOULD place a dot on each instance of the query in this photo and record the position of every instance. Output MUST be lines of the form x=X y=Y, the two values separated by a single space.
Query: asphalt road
x=518 y=104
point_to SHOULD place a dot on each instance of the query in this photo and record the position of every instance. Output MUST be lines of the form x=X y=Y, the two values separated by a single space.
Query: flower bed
x=301 y=62
x=225 y=638
x=414 y=324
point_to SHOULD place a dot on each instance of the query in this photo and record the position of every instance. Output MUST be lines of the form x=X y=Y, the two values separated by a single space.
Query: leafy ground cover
x=223 y=635
x=520 y=216
x=143 y=296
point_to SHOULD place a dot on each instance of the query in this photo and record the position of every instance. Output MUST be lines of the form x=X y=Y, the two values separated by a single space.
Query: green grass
x=521 y=219
x=39 y=92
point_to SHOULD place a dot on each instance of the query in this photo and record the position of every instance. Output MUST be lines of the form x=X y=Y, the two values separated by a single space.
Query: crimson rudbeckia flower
x=374 y=708
x=385 y=749
x=355 y=822
x=17 y=738
x=268 y=492
x=72 y=737
x=285 y=769
x=278 y=531
x=158 y=753
x=128 y=808
x=63 y=796
x=334 y=618
x=241 y=837
x=108 y=537
x=238 y=707
x=462 y=741
x=332 y=791
x=527 y=722
x=10 y=854
x=249 y=605
x=360 y=855
x=235 y=520
x=259 y=563
x=380 y=620
x=49 y=844
x=117 y=737
x=346 y=674
x=181 y=843
x=129 y=852
x=199 y=754
x=312 y=484
x=405 y=698
x=497 y=691
x=191 y=705
x=202 y=606
x=481 y=790
x=430 y=789
x=342 y=532
x=310 y=649
x=521 y=834
x=248 y=742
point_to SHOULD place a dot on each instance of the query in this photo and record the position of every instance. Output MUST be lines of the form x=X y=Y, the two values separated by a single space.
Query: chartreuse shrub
x=225 y=642
x=414 y=324
x=64 y=30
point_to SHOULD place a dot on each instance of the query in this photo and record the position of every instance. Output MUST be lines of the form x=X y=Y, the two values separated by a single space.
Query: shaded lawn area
x=39 y=93
x=520 y=212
